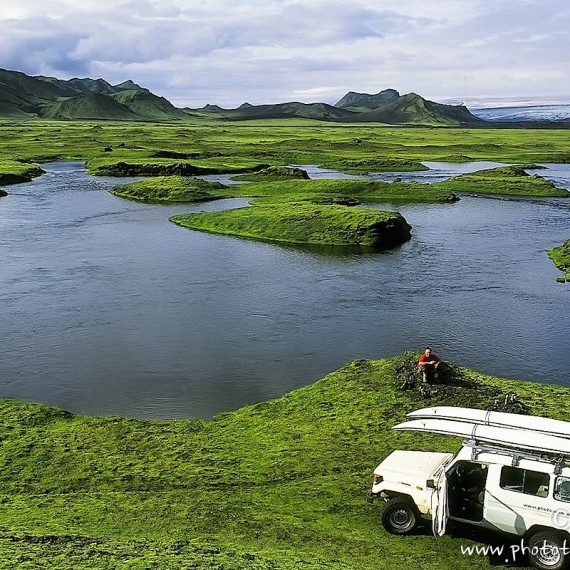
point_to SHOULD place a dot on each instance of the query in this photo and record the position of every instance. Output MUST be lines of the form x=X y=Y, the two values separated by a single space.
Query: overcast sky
x=226 y=52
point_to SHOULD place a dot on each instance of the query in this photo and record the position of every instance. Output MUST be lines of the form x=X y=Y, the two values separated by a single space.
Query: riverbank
x=14 y=172
x=276 y=485
x=561 y=257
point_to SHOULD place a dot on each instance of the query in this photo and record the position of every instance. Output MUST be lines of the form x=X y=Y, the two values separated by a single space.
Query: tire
x=400 y=516
x=548 y=551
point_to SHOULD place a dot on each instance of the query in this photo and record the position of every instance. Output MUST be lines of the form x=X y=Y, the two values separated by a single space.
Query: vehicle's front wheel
x=400 y=516
x=548 y=551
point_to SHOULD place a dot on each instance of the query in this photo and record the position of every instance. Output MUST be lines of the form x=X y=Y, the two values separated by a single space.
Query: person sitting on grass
x=428 y=365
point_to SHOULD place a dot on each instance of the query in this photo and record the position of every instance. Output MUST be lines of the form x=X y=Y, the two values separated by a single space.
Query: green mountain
x=130 y=105
x=411 y=109
x=22 y=94
x=354 y=100
x=90 y=106
x=149 y=106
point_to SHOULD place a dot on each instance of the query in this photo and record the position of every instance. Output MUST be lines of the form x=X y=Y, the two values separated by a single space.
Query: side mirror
x=430 y=484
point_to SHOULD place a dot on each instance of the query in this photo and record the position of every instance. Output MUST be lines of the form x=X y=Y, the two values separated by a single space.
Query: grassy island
x=274 y=173
x=504 y=180
x=305 y=223
x=375 y=164
x=170 y=189
x=279 y=485
x=561 y=257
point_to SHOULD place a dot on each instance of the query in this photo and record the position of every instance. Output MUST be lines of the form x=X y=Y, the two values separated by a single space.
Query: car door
x=516 y=498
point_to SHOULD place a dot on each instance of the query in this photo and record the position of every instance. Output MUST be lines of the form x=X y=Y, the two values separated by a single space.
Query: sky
x=227 y=52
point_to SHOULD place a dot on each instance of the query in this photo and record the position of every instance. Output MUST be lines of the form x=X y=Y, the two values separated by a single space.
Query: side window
x=562 y=489
x=526 y=481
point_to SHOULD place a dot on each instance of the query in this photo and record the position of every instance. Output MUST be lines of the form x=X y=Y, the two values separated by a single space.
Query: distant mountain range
x=23 y=96
x=388 y=107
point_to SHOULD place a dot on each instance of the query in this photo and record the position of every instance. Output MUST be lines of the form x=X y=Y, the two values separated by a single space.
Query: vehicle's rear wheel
x=400 y=516
x=548 y=551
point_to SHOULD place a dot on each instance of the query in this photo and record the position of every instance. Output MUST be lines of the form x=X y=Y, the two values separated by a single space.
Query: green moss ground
x=505 y=180
x=362 y=190
x=561 y=257
x=170 y=188
x=304 y=223
x=227 y=146
x=280 y=484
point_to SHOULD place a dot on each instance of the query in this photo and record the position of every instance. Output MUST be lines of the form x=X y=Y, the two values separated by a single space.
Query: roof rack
x=559 y=461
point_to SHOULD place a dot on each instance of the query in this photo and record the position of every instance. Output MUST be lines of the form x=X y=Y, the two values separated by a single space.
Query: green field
x=280 y=484
x=215 y=144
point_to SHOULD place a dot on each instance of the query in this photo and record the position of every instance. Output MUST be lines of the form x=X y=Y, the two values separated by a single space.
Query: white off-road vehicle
x=512 y=474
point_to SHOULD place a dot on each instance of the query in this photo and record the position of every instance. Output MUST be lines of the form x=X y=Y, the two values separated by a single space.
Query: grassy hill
x=149 y=106
x=90 y=106
x=123 y=106
x=277 y=485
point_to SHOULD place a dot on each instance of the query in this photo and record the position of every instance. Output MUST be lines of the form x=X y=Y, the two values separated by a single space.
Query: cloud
x=193 y=51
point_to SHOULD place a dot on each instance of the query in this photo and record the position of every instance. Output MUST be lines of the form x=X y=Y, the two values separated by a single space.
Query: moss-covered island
x=375 y=164
x=561 y=257
x=274 y=486
x=305 y=223
x=170 y=189
x=504 y=180
x=274 y=173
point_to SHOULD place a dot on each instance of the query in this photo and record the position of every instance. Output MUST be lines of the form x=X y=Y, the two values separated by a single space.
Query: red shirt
x=425 y=358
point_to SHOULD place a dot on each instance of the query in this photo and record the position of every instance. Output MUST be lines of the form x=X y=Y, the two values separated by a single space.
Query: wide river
x=108 y=308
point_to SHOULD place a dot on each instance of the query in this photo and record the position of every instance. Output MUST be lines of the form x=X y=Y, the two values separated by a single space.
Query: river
x=108 y=308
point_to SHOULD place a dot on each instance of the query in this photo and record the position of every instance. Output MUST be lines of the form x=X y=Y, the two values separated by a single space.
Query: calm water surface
x=108 y=308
